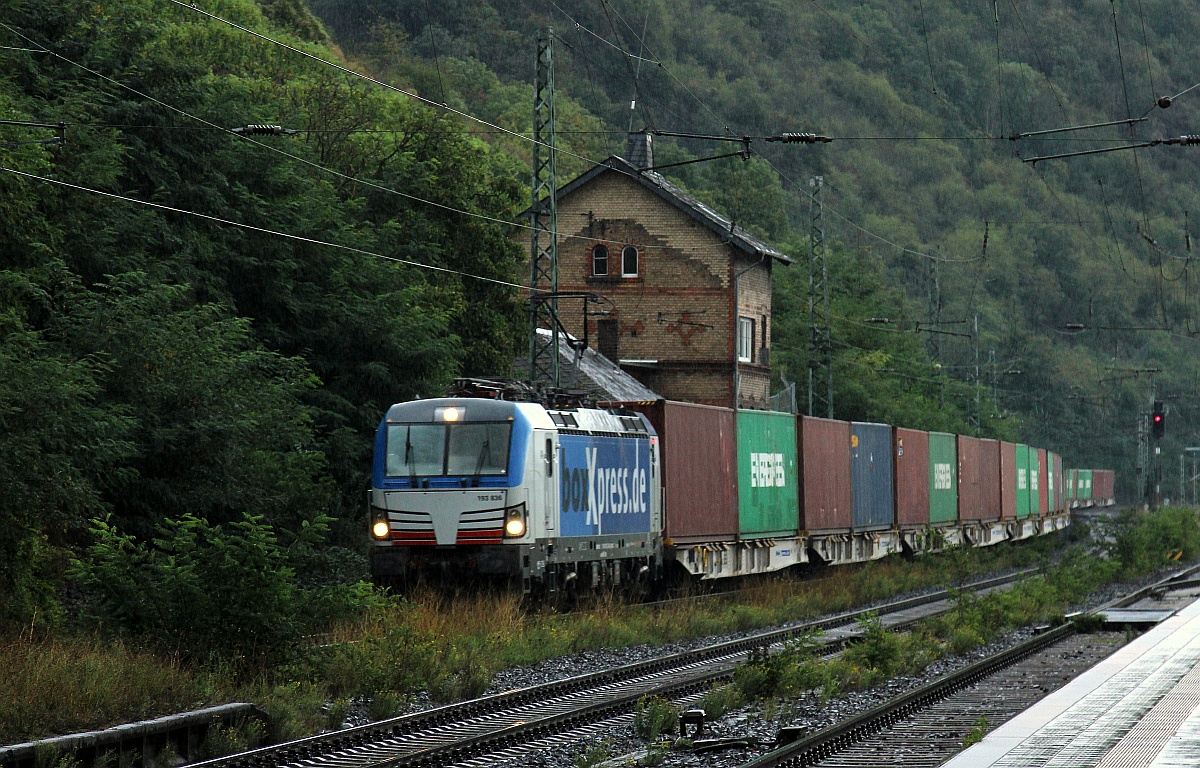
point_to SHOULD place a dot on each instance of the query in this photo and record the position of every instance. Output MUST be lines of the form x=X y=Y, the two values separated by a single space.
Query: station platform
x=1139 y=707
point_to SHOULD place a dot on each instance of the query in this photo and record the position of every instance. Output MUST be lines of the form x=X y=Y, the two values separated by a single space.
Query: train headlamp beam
x=514 y=523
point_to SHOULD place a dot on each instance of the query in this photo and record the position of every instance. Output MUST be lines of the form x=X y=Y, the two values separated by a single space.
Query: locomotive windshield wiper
x=485 y=452
x=409 y=461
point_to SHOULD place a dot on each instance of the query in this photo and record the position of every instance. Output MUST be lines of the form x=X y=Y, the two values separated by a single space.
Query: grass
x=451 y=649
x=653 y=716
x=974 y=621
x=53 y=685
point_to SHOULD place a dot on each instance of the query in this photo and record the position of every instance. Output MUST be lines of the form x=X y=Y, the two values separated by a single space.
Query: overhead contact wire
x=263 y=230
x=213 y=126
x=346 y=70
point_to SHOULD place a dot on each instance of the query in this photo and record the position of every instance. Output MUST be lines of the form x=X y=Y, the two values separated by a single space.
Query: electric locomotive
x=561 y=499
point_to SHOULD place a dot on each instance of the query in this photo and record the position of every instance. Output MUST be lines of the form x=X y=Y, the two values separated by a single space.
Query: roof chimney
x=638 y=151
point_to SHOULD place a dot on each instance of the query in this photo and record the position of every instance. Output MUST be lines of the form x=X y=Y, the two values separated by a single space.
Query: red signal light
x=1157 y=418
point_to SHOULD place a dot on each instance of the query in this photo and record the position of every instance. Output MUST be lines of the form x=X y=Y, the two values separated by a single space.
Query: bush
x=963 y=639
x=794 y=669
x=654 y=716
x=880 y=650
x=719 y=700
x=1142 y=542
x=201 y=590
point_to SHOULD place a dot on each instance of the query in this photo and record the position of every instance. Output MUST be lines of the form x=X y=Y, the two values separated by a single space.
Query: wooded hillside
x=156 y=360
x=1079 y=270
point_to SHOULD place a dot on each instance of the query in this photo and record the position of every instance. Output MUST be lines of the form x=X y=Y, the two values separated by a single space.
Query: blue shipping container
x=605 y=485
x=871 y=475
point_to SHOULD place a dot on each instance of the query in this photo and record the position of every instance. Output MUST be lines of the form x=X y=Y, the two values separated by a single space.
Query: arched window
x=629 y=261
x=600 y=261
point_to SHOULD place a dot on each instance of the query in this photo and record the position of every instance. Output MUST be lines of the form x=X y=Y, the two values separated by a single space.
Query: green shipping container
x=943 y=478
x=1023 y=480
x=1083 y=491
x=1051 y=502
x=1072 y=480
x=768 y=499
x=1035 y=472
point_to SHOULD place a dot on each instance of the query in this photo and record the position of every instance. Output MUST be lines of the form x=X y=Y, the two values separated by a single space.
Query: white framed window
x=600 y=261
x=629 y=261
x=745 y=340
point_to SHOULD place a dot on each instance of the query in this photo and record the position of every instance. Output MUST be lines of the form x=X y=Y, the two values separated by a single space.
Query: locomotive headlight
x=514 y=522
x=381 y=529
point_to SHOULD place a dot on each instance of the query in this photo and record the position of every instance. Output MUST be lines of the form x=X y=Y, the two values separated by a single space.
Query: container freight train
x=581 y=498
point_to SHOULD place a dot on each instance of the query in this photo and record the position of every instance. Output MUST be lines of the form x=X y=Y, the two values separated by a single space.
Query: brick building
x=688 y=309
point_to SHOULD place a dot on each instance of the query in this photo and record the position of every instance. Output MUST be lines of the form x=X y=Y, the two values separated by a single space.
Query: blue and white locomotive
x=562 y=499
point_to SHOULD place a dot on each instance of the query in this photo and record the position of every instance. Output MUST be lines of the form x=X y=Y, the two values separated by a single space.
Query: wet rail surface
x=477 y=728
x=930 y=736
x=926 y=726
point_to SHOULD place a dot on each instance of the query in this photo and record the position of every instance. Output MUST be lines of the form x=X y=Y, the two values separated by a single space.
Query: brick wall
x=679 y=309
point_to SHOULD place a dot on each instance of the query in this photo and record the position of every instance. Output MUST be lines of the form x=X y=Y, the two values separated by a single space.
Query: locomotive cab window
x=439 y=450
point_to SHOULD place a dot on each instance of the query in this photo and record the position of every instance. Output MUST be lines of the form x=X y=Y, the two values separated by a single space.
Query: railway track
x=459 y=732
x=925 y=726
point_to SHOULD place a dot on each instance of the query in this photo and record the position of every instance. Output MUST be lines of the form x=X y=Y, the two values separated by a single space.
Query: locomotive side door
x=543 y=485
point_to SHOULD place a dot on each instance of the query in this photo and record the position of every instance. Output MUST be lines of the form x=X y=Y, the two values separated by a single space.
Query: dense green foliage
x=154 y=364
x=205 y=592
x=922 y=183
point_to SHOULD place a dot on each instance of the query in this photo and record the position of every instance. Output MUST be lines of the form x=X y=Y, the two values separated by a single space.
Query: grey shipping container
x=871 y=475
x=825 y=500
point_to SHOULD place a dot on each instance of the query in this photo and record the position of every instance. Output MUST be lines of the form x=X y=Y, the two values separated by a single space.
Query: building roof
x=593 y=373
x=673 y=194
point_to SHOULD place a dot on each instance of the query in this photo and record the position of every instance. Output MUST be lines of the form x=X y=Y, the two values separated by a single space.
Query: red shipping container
x=989 y=479
x=1008 y=480
x=1103 y=485
x=825 y=499
x=969 y=458
x=978 y=478
x=911 y=467
x=1043 y=482
x=699 y=469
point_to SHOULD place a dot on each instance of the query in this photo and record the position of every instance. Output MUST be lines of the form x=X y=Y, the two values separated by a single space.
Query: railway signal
x=1158 y=421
